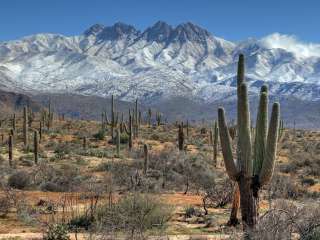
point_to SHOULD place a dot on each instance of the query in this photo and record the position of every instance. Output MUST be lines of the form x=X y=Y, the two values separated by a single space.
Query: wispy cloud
x=292 y=44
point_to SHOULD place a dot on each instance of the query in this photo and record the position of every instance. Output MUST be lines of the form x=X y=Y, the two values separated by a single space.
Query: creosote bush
x=19 y=180
x=134 y=214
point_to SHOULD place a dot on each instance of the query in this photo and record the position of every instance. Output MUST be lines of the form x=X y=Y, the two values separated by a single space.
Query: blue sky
x=231 y=19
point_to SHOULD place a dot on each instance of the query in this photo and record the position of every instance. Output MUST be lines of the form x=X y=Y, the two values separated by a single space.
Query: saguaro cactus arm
x=268 y=163
x=226 y=146
x=244 y=140
x=261 y=132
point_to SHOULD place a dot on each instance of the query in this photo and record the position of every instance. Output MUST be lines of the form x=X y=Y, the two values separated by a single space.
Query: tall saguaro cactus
x=255 y=161
x=180 y=137
x=10 y=143
x=36 y=147
x=146 y=159
x=25 y=126
x=215 y=143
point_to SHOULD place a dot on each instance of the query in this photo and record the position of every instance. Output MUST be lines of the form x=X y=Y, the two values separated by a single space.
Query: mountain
x=161 y=63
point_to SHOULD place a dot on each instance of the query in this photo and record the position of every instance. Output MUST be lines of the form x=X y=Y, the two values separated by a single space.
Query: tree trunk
x=233 y=221
x=248 y=203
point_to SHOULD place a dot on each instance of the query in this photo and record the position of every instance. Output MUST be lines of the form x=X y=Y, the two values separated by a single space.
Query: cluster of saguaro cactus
x=255 y=161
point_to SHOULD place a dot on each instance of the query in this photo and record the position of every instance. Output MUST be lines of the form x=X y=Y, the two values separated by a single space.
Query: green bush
x=134 y=214
x=56 y=232
x=19 y=180
x=100 y=135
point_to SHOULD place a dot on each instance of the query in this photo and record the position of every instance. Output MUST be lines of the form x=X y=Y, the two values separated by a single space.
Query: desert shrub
x=51 y=187
x=56 y=232
x=190 y=211
x=124 y=138
x=282 y=186
x=5 y=205
x=134 y=215
x=19 y=180
x=100 y=153
x=308 y=181
x=286 y=218
x=155 y=137
x=100 y=135
x=61 y=150
x=83 y=221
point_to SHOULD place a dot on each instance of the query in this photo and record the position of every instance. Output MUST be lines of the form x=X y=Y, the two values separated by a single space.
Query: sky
x=234 y=20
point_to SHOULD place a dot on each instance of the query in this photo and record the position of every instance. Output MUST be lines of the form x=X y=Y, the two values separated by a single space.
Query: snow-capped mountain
x=160 y=62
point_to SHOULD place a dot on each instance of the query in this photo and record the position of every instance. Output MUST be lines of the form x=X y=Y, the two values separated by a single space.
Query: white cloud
x=292 y=44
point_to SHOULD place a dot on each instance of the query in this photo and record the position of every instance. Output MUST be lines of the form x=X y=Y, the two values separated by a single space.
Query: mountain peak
x=119 y=30
x=159 y=32
x=189 y=31
x=94 y=29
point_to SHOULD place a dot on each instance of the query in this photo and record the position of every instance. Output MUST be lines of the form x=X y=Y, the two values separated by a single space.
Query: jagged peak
x=190 y=32
x=118 y=30
x=94 y=29
x=159 y=32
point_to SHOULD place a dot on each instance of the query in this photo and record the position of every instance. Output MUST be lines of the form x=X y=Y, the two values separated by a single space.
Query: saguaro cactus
x=14 y=122
x=112 y=118
x=180 y=137
x=10 y=143
x=84 y=143
x=149 y=116
x=255 y=162
x=146 y=159
x=215 y=143
x=40 y=130
x=25 y=126
x=36 y=147
x=118 y=142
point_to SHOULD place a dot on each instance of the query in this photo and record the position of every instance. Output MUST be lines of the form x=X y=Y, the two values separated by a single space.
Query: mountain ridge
x=160 y=62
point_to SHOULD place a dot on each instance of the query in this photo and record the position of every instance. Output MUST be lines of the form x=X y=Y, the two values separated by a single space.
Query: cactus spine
x=146 y=159
x=251 y=173
x=25 y=126
x=35 y=147
x=10 y=143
